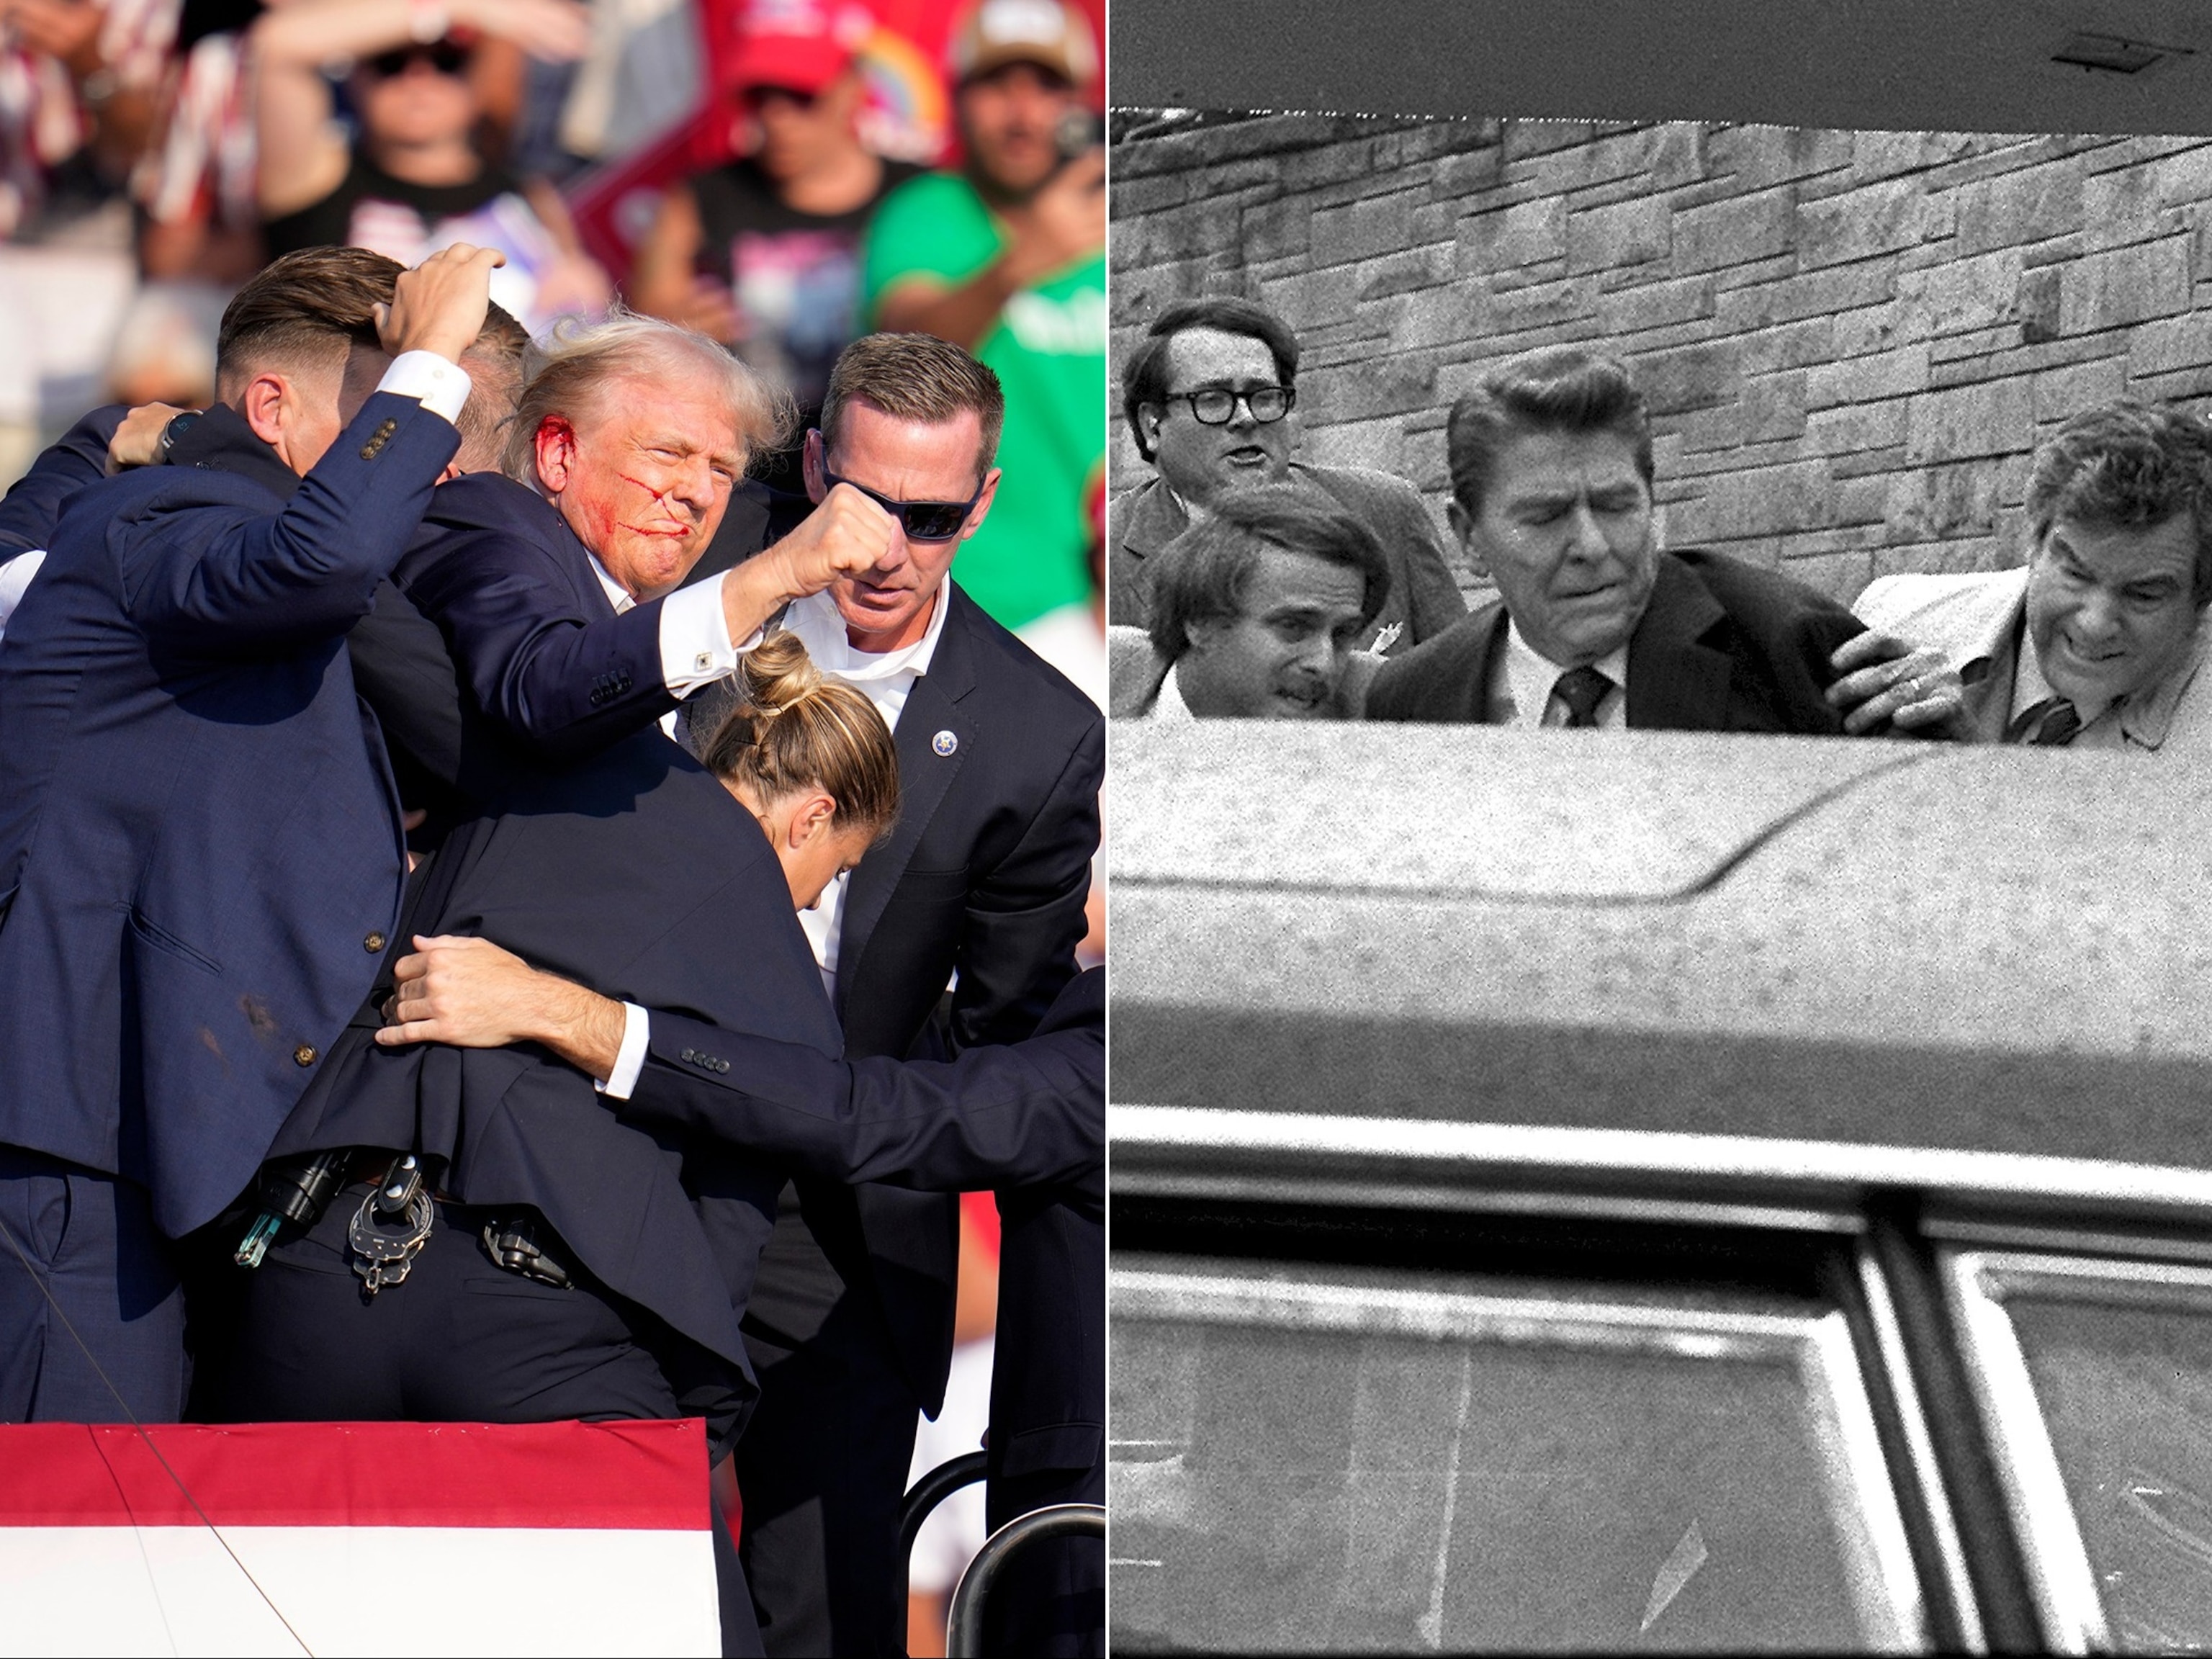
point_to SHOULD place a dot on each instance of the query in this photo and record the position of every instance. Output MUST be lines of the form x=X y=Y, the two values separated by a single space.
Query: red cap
x=804 y=44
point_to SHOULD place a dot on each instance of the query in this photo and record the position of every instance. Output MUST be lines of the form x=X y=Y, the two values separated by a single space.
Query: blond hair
x=582 y=362
x=795 y=729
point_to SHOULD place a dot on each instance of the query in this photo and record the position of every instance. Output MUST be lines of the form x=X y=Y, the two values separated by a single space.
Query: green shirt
x=1049 y=350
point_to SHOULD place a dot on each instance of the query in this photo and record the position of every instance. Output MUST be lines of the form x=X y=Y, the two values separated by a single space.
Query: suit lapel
x=1676 y=682
x=1488 y=632
x=928 y=765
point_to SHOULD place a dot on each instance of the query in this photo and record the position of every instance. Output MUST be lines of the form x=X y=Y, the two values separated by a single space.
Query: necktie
x=1582 y=689
x=2044 y=725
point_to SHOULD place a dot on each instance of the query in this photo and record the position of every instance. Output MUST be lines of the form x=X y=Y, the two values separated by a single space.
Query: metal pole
x=963 y=1627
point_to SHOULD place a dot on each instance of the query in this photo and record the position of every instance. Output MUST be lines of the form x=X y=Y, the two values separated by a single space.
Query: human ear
x=266 y=406
x=812 y=816
x=556 y=453
x=1464 y=527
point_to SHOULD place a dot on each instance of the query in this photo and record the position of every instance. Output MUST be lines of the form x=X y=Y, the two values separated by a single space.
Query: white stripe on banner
x=367 y=1590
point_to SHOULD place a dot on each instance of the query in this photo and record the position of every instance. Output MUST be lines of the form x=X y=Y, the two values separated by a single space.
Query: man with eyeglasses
x=414 y=179
x=763 y=251
x=1208 y=396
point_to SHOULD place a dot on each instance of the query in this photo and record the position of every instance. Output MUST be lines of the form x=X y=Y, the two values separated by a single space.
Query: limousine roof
x=1703 y=951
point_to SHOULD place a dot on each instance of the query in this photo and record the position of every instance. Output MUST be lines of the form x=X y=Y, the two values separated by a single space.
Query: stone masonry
x=1850 y=340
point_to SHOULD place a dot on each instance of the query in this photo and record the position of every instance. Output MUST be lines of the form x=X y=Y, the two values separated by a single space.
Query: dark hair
x=1557 y=389
x=2125 y=464
x=310 y=308
x=1202 y=574
x=1145 y=376
x=796 y=729
x=914 y=377
x=498 y=364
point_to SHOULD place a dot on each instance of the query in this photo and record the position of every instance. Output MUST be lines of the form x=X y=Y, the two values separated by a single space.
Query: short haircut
x=584 y=361
x=2123 y=465
x=914 y=377
x=309 y=309
x=1558 y=389
x=794 y=728
x=498 y=363
x=1202 y=574
x=1145 y=376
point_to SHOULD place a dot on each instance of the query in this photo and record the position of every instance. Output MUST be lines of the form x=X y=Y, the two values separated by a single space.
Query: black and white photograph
x=1656 y=777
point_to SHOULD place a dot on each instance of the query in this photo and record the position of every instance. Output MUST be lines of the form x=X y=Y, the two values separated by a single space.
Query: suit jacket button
x=688 y=1056
x=305 y=1054
x=373 y=944
x=722 y=1065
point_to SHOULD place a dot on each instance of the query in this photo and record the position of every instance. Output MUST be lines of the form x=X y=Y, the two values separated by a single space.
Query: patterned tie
x=2053 y=721
x=1582 y=689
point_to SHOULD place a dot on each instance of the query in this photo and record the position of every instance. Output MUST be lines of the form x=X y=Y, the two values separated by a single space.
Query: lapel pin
x=944 y=743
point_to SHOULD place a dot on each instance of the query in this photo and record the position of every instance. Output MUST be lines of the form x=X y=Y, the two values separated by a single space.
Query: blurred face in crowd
x=802 y=132
x=2111 y=607
x=1565 y=530
x=1201 y=462
x=416 y=94
x=1008 y=120
x=890 y=605
x=642 y=476
x=1284 y=655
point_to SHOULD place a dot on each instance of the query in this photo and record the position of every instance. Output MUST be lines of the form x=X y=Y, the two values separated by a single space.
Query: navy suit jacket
x=1028 y=1119
x=1723 y=646
x=35 y=502
x=637 y=873
x=200 y=857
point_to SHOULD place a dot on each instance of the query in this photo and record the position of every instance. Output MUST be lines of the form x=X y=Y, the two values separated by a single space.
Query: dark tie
x=2044 y=725
x=1582 y=689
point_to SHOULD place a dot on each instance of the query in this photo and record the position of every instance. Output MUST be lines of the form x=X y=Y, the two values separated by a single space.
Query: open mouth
x=1249 y=455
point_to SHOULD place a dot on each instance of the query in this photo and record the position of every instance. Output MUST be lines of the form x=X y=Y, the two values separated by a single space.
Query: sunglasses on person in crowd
x=1214 y=405
x=923 y=521
x=755 y=97
x=442 y=55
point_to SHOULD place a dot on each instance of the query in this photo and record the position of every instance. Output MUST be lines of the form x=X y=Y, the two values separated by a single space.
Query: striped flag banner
x=362 y=1538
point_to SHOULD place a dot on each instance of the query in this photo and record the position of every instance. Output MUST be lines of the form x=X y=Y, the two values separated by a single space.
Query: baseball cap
x=1047 y=33
x=804 y=44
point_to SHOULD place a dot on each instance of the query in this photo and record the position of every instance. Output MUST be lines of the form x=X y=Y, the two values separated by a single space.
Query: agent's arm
x=1030 y=1113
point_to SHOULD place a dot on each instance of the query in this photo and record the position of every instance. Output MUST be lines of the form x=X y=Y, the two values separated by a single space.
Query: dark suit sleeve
x=34 y=503
x=1433 y=602
x=1023 y=1115
x=213 y=583
x=1024 y=915
x=561 y=681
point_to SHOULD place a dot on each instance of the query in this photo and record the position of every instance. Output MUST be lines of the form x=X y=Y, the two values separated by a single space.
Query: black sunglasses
x=442 y=55
x=923 y=521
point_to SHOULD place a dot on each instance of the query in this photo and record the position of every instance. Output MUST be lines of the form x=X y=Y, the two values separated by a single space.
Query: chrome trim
x=2059 y=1576
x=1954 y=1227
x=1863 y=1505
x=1392 y=1151
x=1920 y=1447
x=1299 y=1189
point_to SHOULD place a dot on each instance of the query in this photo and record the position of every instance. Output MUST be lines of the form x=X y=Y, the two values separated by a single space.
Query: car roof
x=1826 y=942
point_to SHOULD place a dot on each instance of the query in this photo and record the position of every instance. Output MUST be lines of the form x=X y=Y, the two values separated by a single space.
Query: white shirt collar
x=618 y=595
x=821 y=628
x=1529 y=677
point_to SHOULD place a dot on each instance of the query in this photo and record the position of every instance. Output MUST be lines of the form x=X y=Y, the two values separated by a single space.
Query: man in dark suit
x=1595 y=624
x=1207 y=397
x=1027 y=1119
x=200 y=854
x=999 y=761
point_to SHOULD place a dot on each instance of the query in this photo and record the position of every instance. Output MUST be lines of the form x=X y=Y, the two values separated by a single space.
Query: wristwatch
x=179 y=425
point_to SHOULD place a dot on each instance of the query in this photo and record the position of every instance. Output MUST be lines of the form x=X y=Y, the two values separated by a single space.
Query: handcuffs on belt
x=392 y=1225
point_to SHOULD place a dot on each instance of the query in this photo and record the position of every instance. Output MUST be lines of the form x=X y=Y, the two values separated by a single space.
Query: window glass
x=1363 y=1464
x=2119 y=1358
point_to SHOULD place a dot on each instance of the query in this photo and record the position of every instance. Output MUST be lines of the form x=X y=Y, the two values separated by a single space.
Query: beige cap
x=1046 y=33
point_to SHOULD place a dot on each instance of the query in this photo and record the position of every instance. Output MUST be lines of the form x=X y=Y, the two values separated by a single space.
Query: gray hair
x=582 y=361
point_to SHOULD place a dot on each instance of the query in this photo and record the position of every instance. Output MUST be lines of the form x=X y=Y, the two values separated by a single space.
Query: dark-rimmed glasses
x=442 y=55
x=1216 y=406
x=923 y=521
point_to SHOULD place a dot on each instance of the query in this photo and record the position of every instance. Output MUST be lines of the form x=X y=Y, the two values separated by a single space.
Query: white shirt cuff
x=695 y=638
x=629 y=1058
x=442 y=385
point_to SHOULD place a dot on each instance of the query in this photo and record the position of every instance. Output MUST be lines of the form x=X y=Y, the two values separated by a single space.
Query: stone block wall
x=1850 y=340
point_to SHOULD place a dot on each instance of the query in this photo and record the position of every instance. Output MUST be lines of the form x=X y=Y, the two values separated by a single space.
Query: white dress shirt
x=1522 y=678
